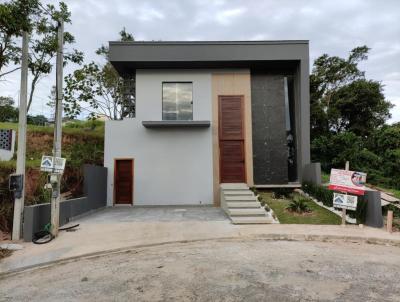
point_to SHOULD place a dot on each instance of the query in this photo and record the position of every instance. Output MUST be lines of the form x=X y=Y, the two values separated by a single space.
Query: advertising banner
x=348 y=181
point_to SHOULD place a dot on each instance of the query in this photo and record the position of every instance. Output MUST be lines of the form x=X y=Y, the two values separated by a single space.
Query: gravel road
x=221 y=270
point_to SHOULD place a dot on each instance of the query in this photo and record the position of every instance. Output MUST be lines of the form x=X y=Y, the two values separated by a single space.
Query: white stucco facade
x=171 y=166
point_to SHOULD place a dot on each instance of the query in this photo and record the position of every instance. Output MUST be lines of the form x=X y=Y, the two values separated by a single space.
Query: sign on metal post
x=52 y=164
x=348 y=181
x=344 y=201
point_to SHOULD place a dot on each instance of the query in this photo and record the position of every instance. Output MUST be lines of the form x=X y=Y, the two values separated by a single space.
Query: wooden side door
x=231 y=139
x=123 y=181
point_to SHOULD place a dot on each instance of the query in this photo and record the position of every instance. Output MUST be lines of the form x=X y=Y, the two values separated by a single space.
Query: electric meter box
x=16 y=184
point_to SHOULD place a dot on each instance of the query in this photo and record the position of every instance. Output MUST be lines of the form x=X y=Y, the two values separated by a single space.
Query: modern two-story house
x=208 y=113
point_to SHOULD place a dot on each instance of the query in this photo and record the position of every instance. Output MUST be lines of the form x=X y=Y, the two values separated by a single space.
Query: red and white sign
x=348 y=181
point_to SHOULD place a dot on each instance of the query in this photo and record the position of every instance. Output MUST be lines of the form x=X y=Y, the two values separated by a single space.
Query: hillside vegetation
x=82 y=143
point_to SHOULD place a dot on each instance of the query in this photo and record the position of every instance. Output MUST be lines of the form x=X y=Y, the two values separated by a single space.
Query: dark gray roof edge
x=258 y=42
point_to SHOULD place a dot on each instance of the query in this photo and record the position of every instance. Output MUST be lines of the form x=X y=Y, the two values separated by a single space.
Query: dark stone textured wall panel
x=268 y=127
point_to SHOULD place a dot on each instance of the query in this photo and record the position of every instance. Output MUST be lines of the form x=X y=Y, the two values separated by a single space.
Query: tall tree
x=341 y=99
x=98 y=90
x=8 y=113
x=16 y=16
x=359 y=107
x=329 y=73
x=44 y=45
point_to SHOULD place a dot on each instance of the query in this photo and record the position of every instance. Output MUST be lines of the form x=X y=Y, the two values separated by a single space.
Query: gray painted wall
x=95 y=180
x=312 y=173
x=270 y=152
x=171 y=166
x=302 y=108
x=208 y=51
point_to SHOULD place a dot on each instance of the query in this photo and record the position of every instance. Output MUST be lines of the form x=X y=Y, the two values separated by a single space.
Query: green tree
x=347 y=113
x=359 y=107
x=44 y=45
x=329 y=73
x=39 y=120
x=98 y=90
x=8 y=113
x=16 y=16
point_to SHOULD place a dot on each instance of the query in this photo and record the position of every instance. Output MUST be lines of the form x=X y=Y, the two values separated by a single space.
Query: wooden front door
x=123 y=181
x=231 y=139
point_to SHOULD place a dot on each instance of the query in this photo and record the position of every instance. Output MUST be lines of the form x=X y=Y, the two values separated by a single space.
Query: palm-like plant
x=298 y=206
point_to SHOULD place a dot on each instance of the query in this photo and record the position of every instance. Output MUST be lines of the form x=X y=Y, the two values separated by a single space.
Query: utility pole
x=56 y=196
x=21 y=152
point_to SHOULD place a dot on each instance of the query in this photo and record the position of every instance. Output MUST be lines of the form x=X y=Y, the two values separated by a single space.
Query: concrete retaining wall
x=95 y=190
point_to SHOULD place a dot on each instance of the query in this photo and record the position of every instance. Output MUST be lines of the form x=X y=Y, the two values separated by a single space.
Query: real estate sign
x=348 y=181
x=52 y=164
x=345 y=201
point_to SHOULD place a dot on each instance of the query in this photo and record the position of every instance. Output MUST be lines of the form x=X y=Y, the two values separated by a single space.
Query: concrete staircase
x=241 y=205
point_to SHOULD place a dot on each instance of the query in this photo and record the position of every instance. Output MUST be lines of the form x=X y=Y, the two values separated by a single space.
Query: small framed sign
x=52 y=164
x=344 y=201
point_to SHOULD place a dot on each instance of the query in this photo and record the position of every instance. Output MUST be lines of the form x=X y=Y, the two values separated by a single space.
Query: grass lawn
x=318 y=215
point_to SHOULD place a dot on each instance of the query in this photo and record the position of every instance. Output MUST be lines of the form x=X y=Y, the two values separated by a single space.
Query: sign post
x=347 y=168
x=346 y=181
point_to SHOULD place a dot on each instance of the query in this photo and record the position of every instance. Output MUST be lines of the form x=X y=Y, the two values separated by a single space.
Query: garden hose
x=45 y=235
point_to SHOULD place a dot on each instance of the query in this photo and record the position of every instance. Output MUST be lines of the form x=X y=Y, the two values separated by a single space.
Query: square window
x=177 y=99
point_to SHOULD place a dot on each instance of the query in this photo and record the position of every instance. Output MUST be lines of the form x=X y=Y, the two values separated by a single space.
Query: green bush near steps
x=324 y=195
x=298 y=205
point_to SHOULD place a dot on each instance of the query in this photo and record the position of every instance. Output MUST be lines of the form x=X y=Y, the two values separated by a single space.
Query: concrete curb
x=272 y=237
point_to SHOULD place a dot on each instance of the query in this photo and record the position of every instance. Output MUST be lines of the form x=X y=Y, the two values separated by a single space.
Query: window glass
x=177 y=101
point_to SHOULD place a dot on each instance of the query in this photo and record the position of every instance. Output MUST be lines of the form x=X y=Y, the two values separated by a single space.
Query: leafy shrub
x=282 y=193
x=299 y=206
x=320 y=193
x=324 y=195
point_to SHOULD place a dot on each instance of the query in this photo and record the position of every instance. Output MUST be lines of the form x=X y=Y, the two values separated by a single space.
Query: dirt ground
x=220 y=270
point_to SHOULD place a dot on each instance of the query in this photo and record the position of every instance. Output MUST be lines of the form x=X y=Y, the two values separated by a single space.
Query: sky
x=332 y=27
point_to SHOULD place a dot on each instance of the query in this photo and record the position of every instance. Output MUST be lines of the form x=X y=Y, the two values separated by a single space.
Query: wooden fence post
x=389 y=221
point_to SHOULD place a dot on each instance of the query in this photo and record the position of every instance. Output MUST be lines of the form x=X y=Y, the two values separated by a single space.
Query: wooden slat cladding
x=231 y=118
x=231 y=139
x=231 y=83
x=232 y=161
x=123 y=181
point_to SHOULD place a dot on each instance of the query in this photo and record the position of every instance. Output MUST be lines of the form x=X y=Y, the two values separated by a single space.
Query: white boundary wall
x=171 y=166
x=6 y=155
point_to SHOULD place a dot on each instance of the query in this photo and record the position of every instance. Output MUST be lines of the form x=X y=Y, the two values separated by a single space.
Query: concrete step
x=238 y=193
x=247 y=212
x=250 y=220
x=246 y=204
x=234 y=186
x=240 y=198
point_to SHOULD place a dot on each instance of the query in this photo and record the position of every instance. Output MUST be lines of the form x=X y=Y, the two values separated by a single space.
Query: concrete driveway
x=125 y=227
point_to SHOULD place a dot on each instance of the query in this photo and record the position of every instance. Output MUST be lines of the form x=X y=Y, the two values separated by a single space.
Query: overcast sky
x=333 y=27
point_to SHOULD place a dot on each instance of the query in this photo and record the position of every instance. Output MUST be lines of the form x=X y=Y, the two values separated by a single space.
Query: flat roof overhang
x=128 y=56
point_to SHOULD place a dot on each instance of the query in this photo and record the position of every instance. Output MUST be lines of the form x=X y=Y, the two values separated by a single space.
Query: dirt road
x=221 y=270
